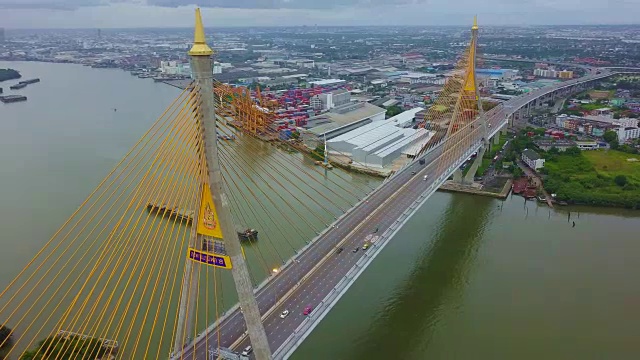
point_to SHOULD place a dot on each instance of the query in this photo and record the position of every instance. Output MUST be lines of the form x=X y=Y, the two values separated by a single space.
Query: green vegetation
x=605 y=178
x=592 y=106
x=73 y=347
x=318 y=152
x=488 y=156
x=9 y=74
x=393 y=110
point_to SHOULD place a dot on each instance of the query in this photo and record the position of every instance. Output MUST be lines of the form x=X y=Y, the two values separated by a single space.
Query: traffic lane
x=323 y=281
x=234 y=328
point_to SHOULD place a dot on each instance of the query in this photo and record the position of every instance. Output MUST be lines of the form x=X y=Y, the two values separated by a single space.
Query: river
x=467 y=277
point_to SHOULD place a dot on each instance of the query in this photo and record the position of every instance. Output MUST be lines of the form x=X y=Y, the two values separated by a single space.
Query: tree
x=73 y=347
x=610 y=136
x=573 y=151
x=393 y=110
x=620 y=180
x=318 y=152
x=5 y=334
x=517 y=172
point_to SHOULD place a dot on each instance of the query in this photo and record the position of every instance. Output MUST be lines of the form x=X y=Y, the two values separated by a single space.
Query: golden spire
x=475 y=23
x=200 y=47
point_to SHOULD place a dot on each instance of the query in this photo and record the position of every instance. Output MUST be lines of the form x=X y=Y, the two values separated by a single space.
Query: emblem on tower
x=208 y=223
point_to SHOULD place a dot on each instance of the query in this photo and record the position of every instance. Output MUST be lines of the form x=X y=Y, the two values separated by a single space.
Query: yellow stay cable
x=42 y=277
x=184 y=194
x=125 y=211
x=157 y=125
x=140 y=202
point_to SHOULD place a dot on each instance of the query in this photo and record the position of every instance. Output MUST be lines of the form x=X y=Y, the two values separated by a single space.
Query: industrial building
x=378 y=144
x=330 y=100
x=340 y=120
x=328 y=82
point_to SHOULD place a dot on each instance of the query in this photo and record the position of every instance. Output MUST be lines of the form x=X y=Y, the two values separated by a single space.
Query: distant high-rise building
x=1 y=35
x=565 y=74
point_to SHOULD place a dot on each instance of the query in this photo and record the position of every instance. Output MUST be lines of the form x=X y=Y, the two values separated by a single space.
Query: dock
x=109 y=344
x=475 y=189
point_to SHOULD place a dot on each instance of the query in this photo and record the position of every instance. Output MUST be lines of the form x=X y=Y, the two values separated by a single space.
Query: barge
x=171 y=212
x=248 y=234
x=30 y=81
x=18 y=86
x=12 y=98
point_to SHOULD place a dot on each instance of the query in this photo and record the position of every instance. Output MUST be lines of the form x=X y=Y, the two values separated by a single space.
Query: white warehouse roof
x=404 y=117
x=417 y=134
x=327 y=82
x=364 y=136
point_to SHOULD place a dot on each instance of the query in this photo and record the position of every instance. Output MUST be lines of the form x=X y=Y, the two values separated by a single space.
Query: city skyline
x=28 y=14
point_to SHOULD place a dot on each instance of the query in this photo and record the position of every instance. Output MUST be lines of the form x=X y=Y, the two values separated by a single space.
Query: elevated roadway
x=318 y=272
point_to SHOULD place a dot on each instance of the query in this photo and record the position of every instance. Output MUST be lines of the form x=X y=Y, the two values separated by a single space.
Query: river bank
x=596 y=178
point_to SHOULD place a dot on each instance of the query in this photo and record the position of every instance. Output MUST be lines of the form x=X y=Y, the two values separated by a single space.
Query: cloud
x=50 y=4
x=278 y=4
x=229 y=4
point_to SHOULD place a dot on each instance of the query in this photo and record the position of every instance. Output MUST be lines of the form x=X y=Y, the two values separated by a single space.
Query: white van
x=248 y=350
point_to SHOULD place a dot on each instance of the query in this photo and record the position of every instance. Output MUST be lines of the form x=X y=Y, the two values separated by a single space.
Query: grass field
x=614 y=163
x=601 y=94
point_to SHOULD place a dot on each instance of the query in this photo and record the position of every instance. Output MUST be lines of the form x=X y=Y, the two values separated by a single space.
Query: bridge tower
x=470 y=104
x=202 y=69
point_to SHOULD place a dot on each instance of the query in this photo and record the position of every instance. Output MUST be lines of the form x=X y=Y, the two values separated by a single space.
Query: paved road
x=319 y=268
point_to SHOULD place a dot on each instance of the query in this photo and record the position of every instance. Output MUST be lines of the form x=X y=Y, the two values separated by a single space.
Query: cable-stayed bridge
x=140 y=270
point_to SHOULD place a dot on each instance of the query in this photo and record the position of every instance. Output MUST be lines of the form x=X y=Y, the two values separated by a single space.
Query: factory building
x=330 y=100
x=379 y=144
x=340 y=120
x=328 y=82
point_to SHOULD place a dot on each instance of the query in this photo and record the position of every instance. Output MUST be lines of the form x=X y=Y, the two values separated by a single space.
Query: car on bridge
x=248 y=350
x=284 y=314
x=340 y=250
x=307 y=310
x=365 y=246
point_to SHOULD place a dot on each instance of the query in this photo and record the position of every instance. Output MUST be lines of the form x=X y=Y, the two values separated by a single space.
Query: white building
x=379 y=143
x=175 y=68
x=330 y=100
x=627 y=133
x=327 y=82
x=532 y=159
x=547 y=73
x=406 y=118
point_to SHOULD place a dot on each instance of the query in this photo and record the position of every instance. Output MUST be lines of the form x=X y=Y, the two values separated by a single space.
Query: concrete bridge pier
x=468 y=179
x=457 y=176
x=496 y=138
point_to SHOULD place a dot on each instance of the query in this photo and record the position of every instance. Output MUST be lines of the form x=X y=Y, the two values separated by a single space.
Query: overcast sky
x=179 y=13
